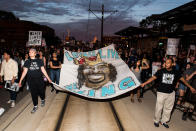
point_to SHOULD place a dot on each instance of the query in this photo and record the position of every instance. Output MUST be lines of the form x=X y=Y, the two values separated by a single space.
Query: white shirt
x=9 y=69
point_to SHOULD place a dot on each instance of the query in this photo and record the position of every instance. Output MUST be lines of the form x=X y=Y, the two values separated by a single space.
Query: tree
x=162 y=25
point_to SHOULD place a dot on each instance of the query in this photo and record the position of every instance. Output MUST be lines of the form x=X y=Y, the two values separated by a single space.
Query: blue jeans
x=55 y=75
x=13 y=95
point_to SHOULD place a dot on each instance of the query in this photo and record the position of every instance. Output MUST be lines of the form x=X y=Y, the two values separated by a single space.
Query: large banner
x=35 y=38
x=172 y=46
x=98 y=74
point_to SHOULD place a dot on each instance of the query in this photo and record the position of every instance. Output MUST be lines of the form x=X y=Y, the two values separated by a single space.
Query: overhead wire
x=87 y=30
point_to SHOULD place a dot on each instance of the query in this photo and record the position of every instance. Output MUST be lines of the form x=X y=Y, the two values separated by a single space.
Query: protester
x=137 y=69
x=24 y=59
x=145 y=71
x=55 y=66
x=167 y=78
x=190 y=100
x=42 y=57
x=9 y=69
x=182 y=87
x=132 y=58
x=34 y=68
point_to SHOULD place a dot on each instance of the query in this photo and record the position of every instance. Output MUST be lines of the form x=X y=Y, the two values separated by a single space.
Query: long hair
x=135 y=64
x=81 y=78
x=113 y=72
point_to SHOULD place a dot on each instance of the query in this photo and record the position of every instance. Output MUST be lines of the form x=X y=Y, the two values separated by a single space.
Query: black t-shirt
x=34 y=68
x=55 y=62
x=167 y=80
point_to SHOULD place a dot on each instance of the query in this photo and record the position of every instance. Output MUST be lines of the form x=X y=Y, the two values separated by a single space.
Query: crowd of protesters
x=173 y=77
x=147 y=66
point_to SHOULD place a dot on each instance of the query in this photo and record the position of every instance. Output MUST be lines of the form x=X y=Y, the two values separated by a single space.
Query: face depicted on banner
x=94 y=73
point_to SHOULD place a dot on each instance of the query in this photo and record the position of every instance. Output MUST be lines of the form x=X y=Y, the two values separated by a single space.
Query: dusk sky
x=73 y=15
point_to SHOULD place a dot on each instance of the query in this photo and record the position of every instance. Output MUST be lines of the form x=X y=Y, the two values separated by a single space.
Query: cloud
x=73 y=14
x=79 y=29
x=68 y=7
x=24 y=6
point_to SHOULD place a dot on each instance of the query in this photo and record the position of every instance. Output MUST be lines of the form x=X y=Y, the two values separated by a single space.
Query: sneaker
x=156 y=124
x=184 y=116
x=165 y=125
x=12 y=104
x=9 y=101
x=2 y=110
x=42 y=103
x=34 y=109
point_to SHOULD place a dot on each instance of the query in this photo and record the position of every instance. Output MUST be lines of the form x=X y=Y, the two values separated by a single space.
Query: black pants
x=37 y=88
x=13 y=95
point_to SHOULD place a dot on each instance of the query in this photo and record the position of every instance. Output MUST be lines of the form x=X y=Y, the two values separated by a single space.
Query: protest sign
x=12 y=87
x=35 y=38
x=172 y=46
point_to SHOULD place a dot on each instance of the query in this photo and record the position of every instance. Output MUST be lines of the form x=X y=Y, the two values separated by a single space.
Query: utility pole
x=102 y=18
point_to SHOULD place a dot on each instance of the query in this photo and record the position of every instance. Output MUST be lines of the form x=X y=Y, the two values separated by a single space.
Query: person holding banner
x=167 y=77
x=137 y=69
x=55 y=68
x=9 y=70
x=34 y=68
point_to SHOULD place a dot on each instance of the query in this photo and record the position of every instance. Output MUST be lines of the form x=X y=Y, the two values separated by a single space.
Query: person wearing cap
x=34 y=69
x=9 y=69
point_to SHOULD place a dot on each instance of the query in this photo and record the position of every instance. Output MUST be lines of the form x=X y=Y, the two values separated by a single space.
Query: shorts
x=182 y=87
